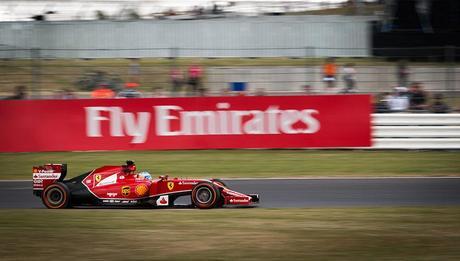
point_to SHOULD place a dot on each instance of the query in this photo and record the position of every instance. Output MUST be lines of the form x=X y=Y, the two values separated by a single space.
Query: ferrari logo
x=125 y=190
x=170 y=185
x=97 y=177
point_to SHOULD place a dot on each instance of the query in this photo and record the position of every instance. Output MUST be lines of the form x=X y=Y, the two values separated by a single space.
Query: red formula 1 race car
x=123 y=186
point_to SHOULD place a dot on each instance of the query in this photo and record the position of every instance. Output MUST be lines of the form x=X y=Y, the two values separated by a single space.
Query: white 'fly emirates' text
x=223 y=121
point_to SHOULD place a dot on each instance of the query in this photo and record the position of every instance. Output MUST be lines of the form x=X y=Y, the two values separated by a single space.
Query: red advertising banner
x=323 y=121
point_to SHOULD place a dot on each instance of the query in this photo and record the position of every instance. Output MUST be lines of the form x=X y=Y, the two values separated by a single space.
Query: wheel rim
x=55 y=196
x=204 y=195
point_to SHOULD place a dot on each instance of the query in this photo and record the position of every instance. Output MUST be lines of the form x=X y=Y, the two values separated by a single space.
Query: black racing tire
x=205 y=195
x=221 y=201
x=56 y=195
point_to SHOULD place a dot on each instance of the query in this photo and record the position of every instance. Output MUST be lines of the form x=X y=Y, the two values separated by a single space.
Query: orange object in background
x=102 y=93
x=330 y=69
x=131 y=85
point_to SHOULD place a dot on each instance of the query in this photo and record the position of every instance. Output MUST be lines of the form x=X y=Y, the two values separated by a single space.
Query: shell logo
x=141 y=190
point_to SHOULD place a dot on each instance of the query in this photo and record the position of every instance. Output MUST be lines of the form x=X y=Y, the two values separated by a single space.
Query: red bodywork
x=119 y=184
x=111 y=183
x=43 y=176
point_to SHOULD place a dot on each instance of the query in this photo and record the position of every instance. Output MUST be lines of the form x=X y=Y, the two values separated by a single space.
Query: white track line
x=304 y=178
x=341 y=178
x=15 y=180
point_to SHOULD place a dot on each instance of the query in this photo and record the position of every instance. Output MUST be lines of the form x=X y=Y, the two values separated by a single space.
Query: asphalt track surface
x=279 y=193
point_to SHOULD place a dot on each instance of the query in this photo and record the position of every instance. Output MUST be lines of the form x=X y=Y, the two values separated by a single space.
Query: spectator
x=417 y=97
x=225 y=92
x=102 y=92
x=439 y=106
x=65 y=94
x=194 y=78
x=398 y=101
x=68 y=95
x=216 y=9
x=423 y=8
x=134 y=69
x=19 y=93
x=307 y=89
x=260 y=92
x=402 y=73
x=349 y=77
x=158 y=93
x=115 y=83
x=177 y=79
x=381 y=103
x=329 y=72
x=58 y=94
x=130 y=91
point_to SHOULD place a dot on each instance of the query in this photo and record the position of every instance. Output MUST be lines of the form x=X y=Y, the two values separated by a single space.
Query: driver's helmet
x=130 y=167
x=145 y=175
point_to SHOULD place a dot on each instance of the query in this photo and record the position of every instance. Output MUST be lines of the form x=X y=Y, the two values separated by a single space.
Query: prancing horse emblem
x=170 y=185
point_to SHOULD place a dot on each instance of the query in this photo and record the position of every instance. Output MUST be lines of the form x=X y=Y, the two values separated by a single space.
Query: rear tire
x=56 y=195
x=205 y=195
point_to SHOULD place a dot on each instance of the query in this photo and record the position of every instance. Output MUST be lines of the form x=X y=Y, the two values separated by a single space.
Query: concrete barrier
x=416 y=131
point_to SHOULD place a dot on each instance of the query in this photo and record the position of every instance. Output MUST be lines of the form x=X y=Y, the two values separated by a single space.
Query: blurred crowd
x=406 y=97
x=412 y=99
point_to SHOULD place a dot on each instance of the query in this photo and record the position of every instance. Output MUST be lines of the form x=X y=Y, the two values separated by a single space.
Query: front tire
x=56 y=195
x=205 y=195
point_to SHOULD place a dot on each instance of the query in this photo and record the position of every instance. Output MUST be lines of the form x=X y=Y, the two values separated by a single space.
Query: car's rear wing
x=43 y=176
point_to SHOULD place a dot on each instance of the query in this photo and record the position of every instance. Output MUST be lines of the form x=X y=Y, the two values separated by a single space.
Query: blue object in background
x=238 y=86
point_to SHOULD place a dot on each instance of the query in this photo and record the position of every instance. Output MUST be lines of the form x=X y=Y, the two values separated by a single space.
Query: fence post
x=173 y=54
x=449 y=58
x=454 y=69
x=36 y=72
x=309 y=70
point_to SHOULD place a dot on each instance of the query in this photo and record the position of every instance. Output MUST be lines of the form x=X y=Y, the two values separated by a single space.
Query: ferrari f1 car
x=123 y=186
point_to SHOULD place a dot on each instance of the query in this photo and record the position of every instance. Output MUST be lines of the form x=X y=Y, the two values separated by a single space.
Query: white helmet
x=145 y=175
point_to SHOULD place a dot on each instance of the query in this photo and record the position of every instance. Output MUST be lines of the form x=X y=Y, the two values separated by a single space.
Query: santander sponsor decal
x=221 y=121
x=45 y=175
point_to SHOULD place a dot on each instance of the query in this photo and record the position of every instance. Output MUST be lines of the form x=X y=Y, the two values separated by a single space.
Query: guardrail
x=416 y=131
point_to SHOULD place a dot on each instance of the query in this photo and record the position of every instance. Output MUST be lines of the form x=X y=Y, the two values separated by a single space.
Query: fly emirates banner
x=322 y=121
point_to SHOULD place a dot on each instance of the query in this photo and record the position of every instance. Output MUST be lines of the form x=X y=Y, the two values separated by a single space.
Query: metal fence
x=292 y=70
x=261 y=36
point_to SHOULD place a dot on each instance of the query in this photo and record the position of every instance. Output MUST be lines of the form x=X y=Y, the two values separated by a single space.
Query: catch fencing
x=264 y=36
x=291 y=71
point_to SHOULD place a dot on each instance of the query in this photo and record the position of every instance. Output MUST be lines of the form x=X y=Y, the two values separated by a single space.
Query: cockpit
x=130 y=168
